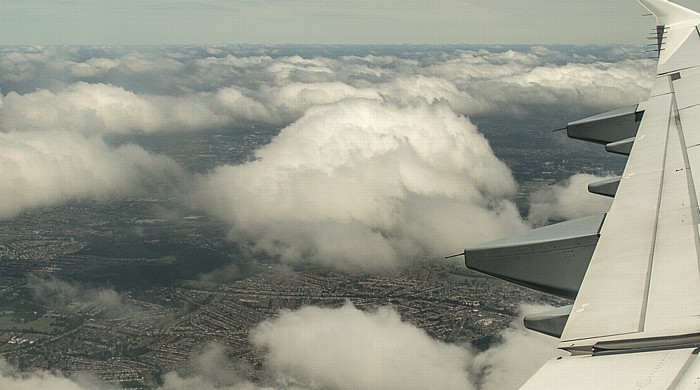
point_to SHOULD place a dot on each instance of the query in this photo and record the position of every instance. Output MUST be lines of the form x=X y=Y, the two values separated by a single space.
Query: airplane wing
x=635 y=271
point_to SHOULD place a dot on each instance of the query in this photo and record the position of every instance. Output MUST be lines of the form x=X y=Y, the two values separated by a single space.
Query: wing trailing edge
x=607 y=128
x=605 y=187
x=551 y=323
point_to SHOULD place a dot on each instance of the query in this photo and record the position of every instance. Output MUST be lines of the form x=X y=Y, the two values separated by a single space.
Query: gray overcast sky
x=131 y=22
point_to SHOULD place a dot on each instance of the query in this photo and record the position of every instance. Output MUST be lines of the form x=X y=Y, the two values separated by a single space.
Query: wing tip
x=667 y=12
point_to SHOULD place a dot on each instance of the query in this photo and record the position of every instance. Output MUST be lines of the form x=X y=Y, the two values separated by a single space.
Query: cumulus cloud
x=567 y=200
x=347 y=348
x=360 y=184
x=104 y=108
x=519 y=354
x=50 y=168
x=588 y=86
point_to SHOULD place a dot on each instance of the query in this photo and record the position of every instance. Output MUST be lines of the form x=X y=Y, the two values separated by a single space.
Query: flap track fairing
x=552 y=259
x=551 y=323
x=605 y=187
x=609 y=127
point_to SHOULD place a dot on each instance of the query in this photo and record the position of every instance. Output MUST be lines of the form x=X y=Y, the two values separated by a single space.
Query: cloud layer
x=567 y=200
x=93 y=89
x=50 y=168
x=344 y=348
x=375 y=162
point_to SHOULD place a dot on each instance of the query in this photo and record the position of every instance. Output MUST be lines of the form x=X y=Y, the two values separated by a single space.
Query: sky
x=139 y=22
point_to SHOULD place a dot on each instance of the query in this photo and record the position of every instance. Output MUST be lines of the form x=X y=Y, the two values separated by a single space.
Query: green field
x=469 y=280
x=198 y=284
x=41 y=325
x=165 y=260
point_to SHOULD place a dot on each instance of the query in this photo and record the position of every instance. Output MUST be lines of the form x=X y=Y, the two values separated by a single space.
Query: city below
x=156 y=283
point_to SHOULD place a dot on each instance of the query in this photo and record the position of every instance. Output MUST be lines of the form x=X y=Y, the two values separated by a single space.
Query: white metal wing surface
x=634 y=272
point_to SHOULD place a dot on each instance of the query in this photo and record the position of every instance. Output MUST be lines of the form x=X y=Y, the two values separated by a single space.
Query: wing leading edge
x=635 y=322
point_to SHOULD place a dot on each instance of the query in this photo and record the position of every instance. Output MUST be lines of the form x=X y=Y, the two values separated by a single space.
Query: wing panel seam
x=688 y=174
x=650 y=265
x=691 y=106
x=677 y=70
x=683 y=370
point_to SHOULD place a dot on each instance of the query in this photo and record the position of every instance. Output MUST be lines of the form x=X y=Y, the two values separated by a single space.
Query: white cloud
x=288 y=102
x=40 y=169
x=519 y=354
x=103 y=108
x=567 y=200
x=347 y=348
x=186 y=89
x=594 y=86
x=360 y=184
x=514 y=82
x=84 y=107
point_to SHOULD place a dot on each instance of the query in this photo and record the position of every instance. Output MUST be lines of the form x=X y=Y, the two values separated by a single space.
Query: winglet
x=668 y=13
x=674 y=25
